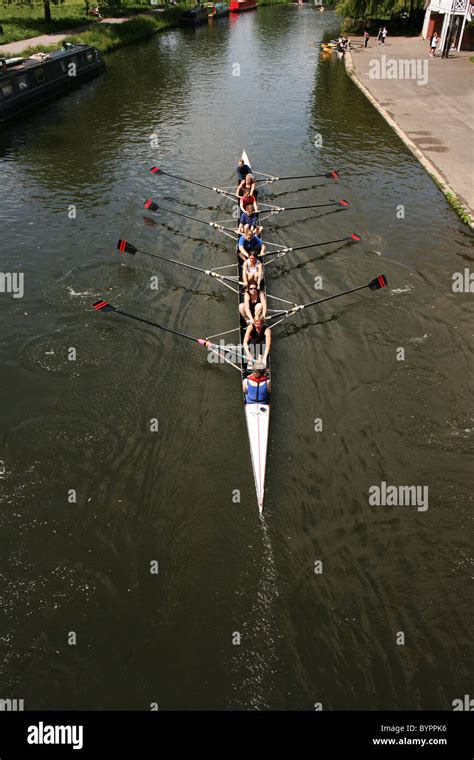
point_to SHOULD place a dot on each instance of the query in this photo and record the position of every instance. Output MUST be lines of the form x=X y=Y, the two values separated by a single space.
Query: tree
x=45 y=3
x=361 y=9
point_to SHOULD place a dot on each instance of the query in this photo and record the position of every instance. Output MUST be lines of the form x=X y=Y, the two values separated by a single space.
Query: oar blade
x=156 y=170
x=343 y=202
x=125 y=247
x=357 y=238
x=378 y=283
x=103 y=306
x=150 y=205
x=332 y=174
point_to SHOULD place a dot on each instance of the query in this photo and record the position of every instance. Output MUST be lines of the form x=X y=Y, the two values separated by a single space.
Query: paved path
x=434 y=119
x=53 y=39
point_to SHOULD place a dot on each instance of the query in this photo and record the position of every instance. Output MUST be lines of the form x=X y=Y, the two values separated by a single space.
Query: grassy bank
x=108 y=38
x=23 y=22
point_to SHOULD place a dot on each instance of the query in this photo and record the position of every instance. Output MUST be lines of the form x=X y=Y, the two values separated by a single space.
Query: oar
x=328 y=175
x=157 y=170
x=341 y=202
x=106 y=306
x=282 y=251
x=124 y=247
x=152 y=206
x=376 y=284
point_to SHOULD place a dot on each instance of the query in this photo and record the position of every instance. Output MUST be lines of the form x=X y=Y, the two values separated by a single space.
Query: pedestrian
x=379 y=36
x=433 y=44
x=366 y=38
x=384 y=34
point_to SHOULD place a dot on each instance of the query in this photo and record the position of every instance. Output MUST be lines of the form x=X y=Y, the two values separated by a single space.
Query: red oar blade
x=125 y=247
x=332 y=175
x=156 y=170
x=103 y=306
x=150 y=205
x=356 y=237
x=379 y=282
x=343 y=202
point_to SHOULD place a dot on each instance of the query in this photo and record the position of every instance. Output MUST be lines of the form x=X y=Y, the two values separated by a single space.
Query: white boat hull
x=258 y=422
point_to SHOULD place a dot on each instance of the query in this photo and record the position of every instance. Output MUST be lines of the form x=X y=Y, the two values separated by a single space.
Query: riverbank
x=431 y=111
x=107 y=35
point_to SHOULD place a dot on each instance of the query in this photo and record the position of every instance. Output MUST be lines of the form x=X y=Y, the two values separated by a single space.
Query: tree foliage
x=366 y=9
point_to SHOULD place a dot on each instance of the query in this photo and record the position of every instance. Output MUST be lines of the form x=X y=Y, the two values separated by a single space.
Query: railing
x=446 y=6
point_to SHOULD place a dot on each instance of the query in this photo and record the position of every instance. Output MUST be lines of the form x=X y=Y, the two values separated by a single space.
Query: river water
x=83 y=426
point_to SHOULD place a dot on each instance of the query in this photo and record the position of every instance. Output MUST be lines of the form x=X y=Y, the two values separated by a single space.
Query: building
x=450 y=17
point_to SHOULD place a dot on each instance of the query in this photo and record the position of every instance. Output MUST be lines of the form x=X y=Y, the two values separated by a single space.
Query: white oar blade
x=258 y=421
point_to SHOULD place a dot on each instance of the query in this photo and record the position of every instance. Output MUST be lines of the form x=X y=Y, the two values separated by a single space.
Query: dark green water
x=167 y=496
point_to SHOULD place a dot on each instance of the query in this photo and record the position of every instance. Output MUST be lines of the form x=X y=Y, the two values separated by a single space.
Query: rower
x=258 y=335
x=242 y=171
x=252 y=271
x=256 y=386
x=247 y=186
x=250 y=242
x=254 y=305
x=245 y=200
x=249 y=221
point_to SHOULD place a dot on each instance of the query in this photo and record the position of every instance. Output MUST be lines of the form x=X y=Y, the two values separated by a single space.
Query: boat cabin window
x=89 y=56
x=7 y=89
x=23 y=83
x=40 y=77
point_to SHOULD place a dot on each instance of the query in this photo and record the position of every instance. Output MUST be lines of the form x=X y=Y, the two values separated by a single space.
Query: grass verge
x=108 y=38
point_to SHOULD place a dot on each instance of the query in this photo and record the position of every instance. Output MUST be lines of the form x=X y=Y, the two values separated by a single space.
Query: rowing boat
x=257 y=416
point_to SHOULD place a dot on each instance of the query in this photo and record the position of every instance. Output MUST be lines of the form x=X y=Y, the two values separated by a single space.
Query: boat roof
x=28 y=63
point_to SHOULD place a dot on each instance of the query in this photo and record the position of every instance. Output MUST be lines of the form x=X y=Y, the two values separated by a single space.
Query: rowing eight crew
x=258 y=336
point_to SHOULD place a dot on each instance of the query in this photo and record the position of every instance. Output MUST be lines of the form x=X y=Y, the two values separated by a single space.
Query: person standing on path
x=384 y=34
x=379 y=36
x=366 y=38
x=433 y=44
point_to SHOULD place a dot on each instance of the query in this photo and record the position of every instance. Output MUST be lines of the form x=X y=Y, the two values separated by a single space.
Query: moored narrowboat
x=28 y=82
x=238 y=6
x=217 y=10
x=194 y=16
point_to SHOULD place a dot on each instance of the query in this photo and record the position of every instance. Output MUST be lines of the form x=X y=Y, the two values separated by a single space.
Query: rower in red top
x=256 y=386
x=247 y=186
x=248 y=193
x=248 y=200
